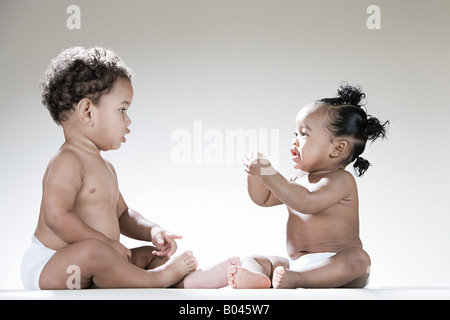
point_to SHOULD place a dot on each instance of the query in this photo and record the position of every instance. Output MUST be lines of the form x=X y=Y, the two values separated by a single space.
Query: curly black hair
x=348 y=119
x=78 y=73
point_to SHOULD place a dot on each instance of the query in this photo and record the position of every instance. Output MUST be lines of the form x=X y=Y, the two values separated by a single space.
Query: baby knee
x=94 y=250
x=361 y=260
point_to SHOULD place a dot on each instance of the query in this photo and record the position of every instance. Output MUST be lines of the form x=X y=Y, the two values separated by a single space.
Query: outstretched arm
x=257 y=190
x=322 y=195
x=326 y=193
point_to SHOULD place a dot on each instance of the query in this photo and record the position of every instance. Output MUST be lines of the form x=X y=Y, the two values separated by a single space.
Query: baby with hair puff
x=322 y=199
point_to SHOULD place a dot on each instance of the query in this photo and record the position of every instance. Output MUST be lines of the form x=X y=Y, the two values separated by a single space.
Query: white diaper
x=33 y=261
x=308 y=260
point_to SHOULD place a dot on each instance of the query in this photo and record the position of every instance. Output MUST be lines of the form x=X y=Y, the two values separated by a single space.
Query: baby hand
x=256 y=165
x=164 y=242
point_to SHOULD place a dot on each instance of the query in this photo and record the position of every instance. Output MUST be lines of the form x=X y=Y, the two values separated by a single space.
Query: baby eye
x=122 y=110
x=295 y=134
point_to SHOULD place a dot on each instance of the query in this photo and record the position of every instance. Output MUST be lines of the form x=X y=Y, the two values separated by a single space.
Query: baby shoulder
x=65 y=162
x=342 y=178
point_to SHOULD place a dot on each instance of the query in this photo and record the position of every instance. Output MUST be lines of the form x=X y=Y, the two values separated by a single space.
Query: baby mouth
x=123 y=138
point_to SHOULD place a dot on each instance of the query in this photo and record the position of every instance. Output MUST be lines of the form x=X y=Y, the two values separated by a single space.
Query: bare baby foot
x=241 y=278
x=284 y=279
x=212 y=277
x=176 y=268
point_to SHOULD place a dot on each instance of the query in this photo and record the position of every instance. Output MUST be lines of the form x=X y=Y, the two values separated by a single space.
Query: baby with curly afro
x=78 y=73
x=76 y=243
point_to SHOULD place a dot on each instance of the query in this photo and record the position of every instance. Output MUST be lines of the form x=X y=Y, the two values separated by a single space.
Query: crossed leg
x=347 y=268
x=102 y=266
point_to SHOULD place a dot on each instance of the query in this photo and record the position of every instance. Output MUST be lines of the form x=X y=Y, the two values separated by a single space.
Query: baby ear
x=340 y=148
x=84 y=111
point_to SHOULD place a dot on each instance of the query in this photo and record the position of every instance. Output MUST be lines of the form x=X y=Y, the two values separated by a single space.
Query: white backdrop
x=208 y=67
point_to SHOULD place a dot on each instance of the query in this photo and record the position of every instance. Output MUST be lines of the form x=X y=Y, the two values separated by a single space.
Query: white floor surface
x=385 y=293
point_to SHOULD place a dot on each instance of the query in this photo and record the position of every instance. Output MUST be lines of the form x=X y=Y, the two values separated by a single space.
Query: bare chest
x=96 y=202
x=99 y=185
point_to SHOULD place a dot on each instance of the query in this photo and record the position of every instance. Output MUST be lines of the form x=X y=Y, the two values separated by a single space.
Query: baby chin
x=296 y=162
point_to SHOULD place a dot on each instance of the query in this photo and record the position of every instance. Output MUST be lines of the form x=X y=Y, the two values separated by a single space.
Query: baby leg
x=347 y=268
x=210 y=278
x=255 y=272
x=144 y=258
x=101 y=265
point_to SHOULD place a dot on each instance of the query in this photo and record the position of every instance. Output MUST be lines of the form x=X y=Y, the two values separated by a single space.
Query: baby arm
x=257 y=190
x=135 y=226
x=320 y=196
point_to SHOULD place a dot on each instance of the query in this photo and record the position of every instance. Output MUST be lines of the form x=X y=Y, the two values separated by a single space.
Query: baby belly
x=106 y=223
x=296 y=249
x=109 y=228
x=315 y=234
